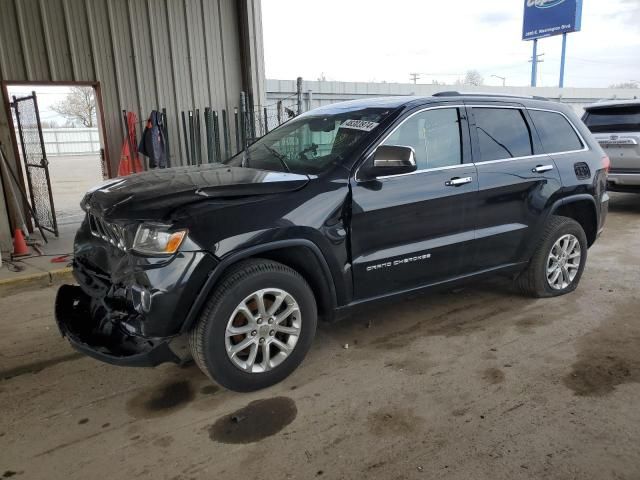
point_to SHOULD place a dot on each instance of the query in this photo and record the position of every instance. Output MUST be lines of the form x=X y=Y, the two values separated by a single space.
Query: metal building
x=140 y=55
x=318 y=93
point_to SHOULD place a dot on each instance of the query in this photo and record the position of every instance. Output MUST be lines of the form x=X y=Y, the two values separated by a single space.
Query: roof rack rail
x=453 y=93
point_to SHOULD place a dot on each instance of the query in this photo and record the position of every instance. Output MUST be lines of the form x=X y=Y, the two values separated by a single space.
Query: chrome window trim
x=425 y=170
x=539 y=155
x=512 y=159
x=585 y=147
x=486 y=162
x=437 y=107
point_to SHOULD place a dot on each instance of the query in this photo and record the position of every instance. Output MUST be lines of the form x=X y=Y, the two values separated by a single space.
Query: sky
x=47 y=97
x=375 y=41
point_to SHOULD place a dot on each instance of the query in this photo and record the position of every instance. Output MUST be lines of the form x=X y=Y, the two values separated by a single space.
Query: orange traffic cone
x=19 y=244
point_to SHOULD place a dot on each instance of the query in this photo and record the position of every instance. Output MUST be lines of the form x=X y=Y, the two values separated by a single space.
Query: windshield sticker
x=363 y=125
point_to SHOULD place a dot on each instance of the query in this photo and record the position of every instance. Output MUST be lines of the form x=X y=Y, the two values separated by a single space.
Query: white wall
x=324 y=93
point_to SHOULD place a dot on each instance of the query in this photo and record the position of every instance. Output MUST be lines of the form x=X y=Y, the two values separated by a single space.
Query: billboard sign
x=544 y=18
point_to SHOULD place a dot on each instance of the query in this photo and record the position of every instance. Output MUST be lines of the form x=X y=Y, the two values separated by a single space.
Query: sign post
x=563 y=59
x=546 y=18
x=534 y=63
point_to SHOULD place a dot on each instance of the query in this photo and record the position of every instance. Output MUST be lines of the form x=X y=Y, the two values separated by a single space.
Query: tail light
x=606 y=163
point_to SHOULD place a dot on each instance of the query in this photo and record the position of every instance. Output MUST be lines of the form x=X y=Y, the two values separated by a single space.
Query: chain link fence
x=34 y=159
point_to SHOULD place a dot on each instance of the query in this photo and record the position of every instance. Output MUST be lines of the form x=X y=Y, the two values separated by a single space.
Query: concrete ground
x=472 y=384
x=71 y=177
x=36 y=269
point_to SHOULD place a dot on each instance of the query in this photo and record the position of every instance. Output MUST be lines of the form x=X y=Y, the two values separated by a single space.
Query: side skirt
x=343 y=311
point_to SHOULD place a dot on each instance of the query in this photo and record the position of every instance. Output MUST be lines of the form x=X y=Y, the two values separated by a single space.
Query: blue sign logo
x=544 y=3
x=544 y=18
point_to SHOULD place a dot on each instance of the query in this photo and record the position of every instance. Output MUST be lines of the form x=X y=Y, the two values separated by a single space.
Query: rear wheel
x=257 y=326
x=557 y=264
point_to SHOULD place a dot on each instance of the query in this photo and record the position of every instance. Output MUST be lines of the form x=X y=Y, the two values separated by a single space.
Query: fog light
x=141 y=298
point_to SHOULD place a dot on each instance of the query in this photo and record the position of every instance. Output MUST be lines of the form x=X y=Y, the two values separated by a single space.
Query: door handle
x=458 y=181
x=542 y=168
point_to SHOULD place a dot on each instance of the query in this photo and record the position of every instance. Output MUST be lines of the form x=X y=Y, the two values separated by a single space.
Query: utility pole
x=535 y=60
x=504 y=79
x=414 y=77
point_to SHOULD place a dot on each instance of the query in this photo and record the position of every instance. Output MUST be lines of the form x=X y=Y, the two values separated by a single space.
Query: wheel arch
x=582 y=209
x=302 y=255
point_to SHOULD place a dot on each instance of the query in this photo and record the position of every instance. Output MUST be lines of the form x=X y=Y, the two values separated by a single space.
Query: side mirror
x=393 y=160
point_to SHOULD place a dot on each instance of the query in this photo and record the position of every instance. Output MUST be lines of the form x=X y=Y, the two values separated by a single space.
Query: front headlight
x=158 y=239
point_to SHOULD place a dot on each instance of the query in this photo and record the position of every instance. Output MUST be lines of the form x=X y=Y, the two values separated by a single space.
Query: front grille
x=583 y=172
x=109 y=232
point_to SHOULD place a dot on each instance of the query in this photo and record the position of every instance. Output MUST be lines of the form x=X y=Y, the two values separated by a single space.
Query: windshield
x=311 y=143
x=615 y=119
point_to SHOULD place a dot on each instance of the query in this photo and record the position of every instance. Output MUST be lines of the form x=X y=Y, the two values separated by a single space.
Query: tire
x=213 y=335
x=533 y=280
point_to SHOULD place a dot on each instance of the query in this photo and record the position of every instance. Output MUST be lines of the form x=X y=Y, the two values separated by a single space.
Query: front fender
x=252 y=251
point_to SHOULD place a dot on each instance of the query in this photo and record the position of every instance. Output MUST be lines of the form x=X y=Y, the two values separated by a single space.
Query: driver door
x=416 y=229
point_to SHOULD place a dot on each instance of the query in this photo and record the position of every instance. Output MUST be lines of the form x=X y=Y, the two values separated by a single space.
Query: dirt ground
x=476 y=384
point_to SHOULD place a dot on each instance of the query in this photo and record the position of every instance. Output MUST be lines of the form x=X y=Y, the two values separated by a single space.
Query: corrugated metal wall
x=146 y=54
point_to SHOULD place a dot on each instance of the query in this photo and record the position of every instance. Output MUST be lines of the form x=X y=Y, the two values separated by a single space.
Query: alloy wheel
x=263 y=330
x=563 y=262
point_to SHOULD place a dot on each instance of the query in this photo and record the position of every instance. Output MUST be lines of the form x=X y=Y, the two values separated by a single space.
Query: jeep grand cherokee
x=350 y=203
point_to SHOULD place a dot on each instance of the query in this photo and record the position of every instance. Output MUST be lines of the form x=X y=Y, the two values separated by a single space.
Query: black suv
x=346 y=204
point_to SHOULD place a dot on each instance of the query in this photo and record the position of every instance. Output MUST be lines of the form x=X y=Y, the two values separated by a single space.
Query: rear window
x=502 y=133
x=556 y=133
x=614 y=119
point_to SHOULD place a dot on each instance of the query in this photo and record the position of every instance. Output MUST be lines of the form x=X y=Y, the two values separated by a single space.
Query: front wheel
x=257 y=326
x=557 y=264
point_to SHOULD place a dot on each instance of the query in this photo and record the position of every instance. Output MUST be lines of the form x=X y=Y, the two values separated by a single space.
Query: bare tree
x=78 y=107
x=473 y=77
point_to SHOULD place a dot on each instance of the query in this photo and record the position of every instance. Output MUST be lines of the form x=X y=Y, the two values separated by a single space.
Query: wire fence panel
x=268 y=117
x=35 y=161
x=228 y=132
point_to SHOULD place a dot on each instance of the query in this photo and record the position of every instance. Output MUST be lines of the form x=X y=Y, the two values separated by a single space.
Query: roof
x=454 y=93
x=613 y=103
x=412 y=100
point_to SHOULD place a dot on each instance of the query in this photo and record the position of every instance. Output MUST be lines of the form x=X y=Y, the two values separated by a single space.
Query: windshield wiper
x=278 y=155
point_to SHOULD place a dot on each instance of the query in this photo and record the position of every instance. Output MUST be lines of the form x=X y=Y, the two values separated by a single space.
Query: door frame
x=5 y=84
x=467 y=156
x=466 y=162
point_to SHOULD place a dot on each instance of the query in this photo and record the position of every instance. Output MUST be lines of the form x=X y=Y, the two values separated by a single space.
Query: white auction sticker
x=363 y=125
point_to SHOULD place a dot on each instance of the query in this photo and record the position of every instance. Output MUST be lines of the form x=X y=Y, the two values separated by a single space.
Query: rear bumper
x=95 y=335
x=623 y=181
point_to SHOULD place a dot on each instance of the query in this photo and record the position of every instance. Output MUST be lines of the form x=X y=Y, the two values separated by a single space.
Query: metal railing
x=71 y=141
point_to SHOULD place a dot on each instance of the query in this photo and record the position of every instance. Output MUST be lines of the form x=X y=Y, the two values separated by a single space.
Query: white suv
x=616 y=126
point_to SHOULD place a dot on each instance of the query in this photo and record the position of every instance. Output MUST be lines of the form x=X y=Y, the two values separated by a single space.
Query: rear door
x=416 y=229
x=516 y=183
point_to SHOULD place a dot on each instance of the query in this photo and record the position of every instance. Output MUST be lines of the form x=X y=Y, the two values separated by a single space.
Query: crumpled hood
x=157 y=193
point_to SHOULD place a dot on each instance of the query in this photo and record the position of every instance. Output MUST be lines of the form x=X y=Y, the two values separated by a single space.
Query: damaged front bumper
x=97 y=336
x=129 y=309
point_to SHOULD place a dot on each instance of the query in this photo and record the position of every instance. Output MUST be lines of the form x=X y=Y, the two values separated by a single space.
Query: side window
x=502 y=133
x=435 y=135
x=556 y=134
